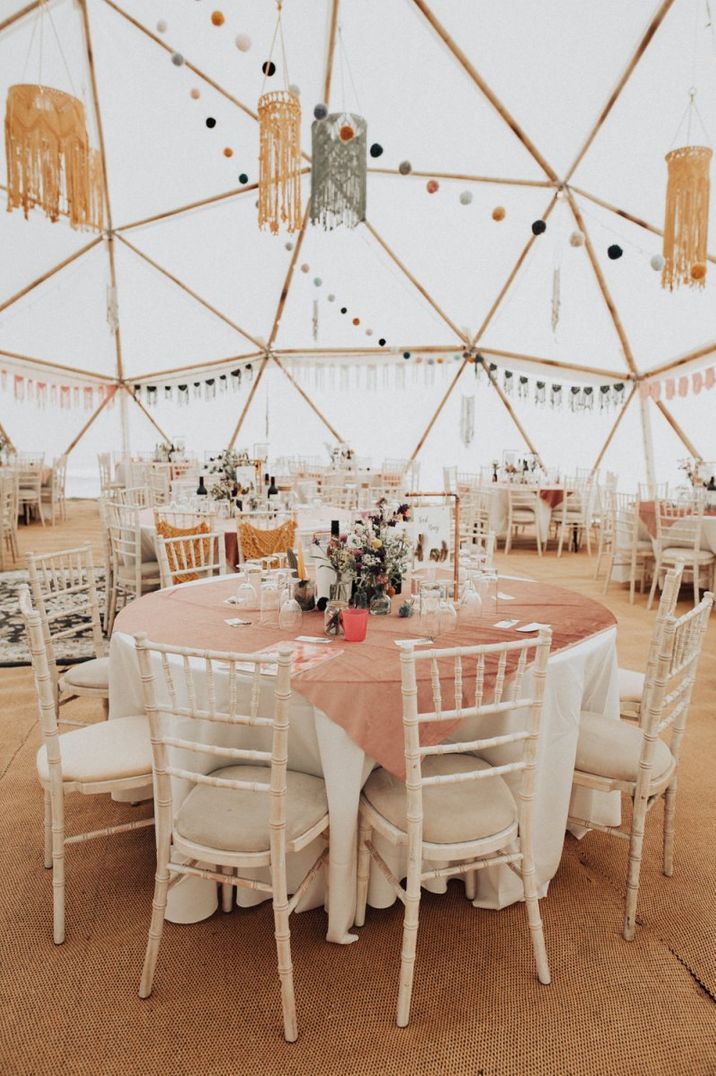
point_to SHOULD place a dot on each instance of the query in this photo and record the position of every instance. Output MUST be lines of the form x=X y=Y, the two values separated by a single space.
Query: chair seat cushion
x=88 y=674
x=110 y=750
x=675 y=552
x=523 y=515
x=235 y=820
x=631 y=685
x=612 y=749
x=454 y=813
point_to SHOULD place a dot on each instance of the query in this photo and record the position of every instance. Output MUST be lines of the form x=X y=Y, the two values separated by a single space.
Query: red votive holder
x=355 y=624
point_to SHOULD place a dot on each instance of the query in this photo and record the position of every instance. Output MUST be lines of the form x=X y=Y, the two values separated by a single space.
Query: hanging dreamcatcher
x=339 y=159
x=687 y=211
x=338 y=170
x=50 y=163
x=280 y=148
x=467 y=419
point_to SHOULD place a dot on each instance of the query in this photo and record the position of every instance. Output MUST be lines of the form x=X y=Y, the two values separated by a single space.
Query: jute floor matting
x=613 y=1007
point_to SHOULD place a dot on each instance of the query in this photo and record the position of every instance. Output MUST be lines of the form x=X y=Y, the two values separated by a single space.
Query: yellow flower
x=376 y=543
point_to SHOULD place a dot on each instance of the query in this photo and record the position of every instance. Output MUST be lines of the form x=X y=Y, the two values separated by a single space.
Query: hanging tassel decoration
x=540 y=393
x=467 y=419
x=507 y=382
x=556 y=301
x=555 y=395
x=339 y=164
x=49 y=160
x=279 y=161
x=523 y=386
x=687 y=217
x=314 y=320
x=588 y=398
x=112 y=309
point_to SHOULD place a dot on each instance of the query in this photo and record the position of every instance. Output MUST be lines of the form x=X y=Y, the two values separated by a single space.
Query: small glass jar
x=304 y=592
x=380 y=602
x=332 y=623
x=447 y=616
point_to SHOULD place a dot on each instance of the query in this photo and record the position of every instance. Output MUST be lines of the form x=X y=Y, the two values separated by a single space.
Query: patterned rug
x=13 y=645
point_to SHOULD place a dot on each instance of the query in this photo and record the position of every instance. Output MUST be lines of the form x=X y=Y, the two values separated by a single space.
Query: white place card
x=534 y=626
x=506 y=624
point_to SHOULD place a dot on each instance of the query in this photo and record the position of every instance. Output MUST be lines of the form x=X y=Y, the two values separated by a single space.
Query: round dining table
x=346 y=718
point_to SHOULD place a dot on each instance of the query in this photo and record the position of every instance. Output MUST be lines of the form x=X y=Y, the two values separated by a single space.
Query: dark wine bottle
x=273 y=489
x=335 y=528
x=202 y=491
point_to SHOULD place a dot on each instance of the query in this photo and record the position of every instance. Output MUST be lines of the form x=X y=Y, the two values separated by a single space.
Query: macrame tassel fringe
x=280 y=161
x=556 y=299
x=49 y=160
x=687 y=217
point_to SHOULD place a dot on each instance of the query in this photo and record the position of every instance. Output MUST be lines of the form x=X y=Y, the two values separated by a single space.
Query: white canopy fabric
x=555 y=111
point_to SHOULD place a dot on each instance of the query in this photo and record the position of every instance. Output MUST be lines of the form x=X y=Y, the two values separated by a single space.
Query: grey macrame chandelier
x=338 y=170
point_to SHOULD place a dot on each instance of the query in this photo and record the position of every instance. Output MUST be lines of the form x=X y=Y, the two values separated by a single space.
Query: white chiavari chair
x=112 y=756
x=574 y=515
x=183 y=558
x=522 y=511
x=30 y=489
x=678 y=540
x=631 y=681
x=108 y=484
x=635 y=760
x=8 y=515
x=248 y=812
x=432 y=816
x=159 y=484
x=132 y=576
x=626 y=549
x=133 y=497
x=53 y=492
x=657 y=492
x=64 y=592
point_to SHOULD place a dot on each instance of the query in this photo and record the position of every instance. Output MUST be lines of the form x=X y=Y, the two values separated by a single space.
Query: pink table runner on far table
x=360 y=688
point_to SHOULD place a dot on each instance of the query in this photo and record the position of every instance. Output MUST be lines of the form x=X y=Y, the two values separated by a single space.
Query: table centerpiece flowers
x=370 y=558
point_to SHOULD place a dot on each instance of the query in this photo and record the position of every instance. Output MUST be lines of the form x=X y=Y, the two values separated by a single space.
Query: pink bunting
x=697 y=382
x=19 y=387
x=683 y=386
x=644 y=389
x=655 y=390
x=710 y=379
x=669 y=385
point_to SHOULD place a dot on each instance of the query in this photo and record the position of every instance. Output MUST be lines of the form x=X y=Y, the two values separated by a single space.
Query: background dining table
x=346 y=718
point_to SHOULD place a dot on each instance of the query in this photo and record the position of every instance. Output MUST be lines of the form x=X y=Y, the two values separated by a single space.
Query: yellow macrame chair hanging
x=687 y=217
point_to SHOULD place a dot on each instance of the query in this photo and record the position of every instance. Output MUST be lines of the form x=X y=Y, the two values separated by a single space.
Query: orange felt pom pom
x=195 y=93
x=698 y=271
x=346 y=133
x=356 y=321
x=217 y=18
x=228 y=151
x=431 y=186
x=498 y=213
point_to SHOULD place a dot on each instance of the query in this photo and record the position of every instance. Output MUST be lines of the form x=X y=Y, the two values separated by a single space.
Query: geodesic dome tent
x=442 y=326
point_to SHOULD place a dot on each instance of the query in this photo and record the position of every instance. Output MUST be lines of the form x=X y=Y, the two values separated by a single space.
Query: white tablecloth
x=581 y=677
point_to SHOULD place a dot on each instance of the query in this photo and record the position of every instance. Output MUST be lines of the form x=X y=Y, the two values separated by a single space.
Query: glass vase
x=332 y=623
x=379 y=603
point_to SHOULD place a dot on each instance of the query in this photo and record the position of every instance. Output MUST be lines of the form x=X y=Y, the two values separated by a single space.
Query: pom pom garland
x=614 y=252
x=576 y=239
x=210 y=122
x=177 y=59
x=498 y=213
x=538 y=227
x=432 y=186
x=405 y=168
x=465 y=197
x=242 y=42
x=320 y=111
x=269 y=68
x=656 y=262
x=376 y=150
x=217 y=18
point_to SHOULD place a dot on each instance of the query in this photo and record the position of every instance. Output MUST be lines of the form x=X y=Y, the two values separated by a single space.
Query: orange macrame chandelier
x=280 y=161
x=279 y=147
x=49 y=160
x=687 y=217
